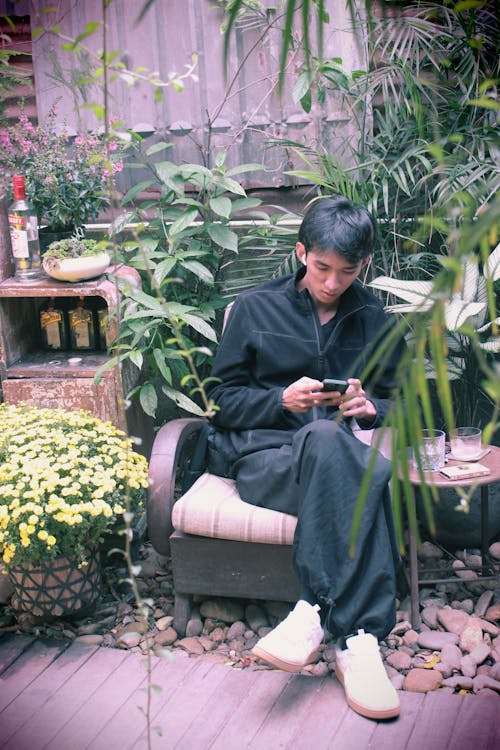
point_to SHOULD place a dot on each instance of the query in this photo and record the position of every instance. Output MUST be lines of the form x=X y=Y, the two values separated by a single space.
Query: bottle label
x=19 y=236
x=51 y=321
x=81 y=323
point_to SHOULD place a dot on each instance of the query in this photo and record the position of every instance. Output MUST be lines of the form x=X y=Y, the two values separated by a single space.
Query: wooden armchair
x=219 y=545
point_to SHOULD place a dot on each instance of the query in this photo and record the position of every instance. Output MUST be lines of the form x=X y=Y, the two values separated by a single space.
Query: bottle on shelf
x=101 y=319
x=23 y=227
x=53 y=325
x=81 y=326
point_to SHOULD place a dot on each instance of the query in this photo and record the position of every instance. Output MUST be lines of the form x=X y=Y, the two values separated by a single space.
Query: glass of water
x=431 y=451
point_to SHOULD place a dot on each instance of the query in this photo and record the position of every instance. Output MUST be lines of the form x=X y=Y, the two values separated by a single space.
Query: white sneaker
x=294 y=642
x=361 y=672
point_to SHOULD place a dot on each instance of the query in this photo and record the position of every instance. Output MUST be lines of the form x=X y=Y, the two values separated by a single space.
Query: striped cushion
x=212 y=507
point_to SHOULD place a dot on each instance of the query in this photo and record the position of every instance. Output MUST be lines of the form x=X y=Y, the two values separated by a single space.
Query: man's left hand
x=354 y=402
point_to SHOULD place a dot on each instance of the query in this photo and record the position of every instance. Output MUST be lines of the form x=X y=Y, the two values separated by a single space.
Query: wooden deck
x=87 y=697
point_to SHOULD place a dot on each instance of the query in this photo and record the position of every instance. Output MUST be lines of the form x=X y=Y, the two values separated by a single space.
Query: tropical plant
x=470 y=334
x=183 y=240
x=65 y=479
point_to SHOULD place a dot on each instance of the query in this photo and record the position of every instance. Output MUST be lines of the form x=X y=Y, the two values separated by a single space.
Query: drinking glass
x=465 y=443
x=431 y=450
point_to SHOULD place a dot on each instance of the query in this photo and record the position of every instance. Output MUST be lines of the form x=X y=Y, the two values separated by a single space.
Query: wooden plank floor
x=76 y=697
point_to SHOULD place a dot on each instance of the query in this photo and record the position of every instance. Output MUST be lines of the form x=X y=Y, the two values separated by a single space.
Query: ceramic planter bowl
x=76 y=269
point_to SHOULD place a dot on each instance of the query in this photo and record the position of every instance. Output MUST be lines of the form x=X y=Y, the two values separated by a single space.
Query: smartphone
x=330 y=384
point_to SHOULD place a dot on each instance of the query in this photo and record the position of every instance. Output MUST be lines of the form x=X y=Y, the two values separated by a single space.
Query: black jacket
x=273 y=337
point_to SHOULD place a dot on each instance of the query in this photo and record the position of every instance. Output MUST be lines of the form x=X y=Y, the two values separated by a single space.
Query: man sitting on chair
x=288 y=443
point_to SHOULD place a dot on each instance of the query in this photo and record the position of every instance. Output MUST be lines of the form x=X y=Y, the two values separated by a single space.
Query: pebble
x=457 y=648
x=422 y=680
x=435 y=640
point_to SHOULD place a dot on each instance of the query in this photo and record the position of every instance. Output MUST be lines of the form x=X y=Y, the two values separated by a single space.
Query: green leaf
x=160 y=359
x=185 y=221
x=199 y=270
x=137 y=358
x=201 y=326
x=136 y=189
x=223 y=236
x=183 y=401
x=156 y=147
x=163 y=269
x=148 y=399
x=231 y=185
x=221 y=206
x=302 y=86
x=248 y=167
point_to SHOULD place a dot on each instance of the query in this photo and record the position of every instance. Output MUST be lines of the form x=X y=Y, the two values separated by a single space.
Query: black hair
x=336 y=224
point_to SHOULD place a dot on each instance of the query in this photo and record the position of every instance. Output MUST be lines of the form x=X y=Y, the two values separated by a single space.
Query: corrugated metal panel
x=245 y=117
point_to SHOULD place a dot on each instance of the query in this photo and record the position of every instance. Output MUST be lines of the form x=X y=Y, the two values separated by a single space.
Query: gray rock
x=453 y=620
x=194 y=627
x=436 y=640
x=236 y=630
x=399 y=660
x=468 y=667
x=451 y=656
x=226 y=610
x=422 y=680
x=429 y=615
x=480 y=653
x=429 y=551
x=458 y=681
x=90 y=640
x=481 y=681
x=471 y=635
x=127 y=639
x=483 y=603
x=166 y=637
x=256 y=617
x=494 y=550
x=467 y=605
x=191 y=645
x=164 y=622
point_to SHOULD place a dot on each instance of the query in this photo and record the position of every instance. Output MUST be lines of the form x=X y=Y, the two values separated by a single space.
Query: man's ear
x=301 y=253
x=365 y=261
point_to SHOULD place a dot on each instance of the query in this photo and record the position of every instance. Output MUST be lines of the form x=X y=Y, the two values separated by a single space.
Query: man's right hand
x=305 y=393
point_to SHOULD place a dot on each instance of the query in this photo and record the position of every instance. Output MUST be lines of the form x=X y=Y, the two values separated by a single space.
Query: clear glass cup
x=431 y=451
x=465 y=443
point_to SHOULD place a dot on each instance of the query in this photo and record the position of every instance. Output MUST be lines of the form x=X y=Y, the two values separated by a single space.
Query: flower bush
x=64 y=481
x=67 y=183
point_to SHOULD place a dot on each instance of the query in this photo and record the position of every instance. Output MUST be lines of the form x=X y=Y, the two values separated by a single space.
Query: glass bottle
x=23 y=227
x=81 y=326
x=53 y=325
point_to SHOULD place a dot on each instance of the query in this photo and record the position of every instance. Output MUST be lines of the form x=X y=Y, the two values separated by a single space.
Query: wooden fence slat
x=31 y=701
x=39 y=731
x=25 y=669
x=11 y=647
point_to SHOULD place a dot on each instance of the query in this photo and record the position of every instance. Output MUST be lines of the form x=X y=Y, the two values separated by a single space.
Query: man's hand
x=354 y=402
x=305 y=393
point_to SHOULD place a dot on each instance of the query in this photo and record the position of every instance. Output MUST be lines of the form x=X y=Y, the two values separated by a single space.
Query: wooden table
x=492 y=461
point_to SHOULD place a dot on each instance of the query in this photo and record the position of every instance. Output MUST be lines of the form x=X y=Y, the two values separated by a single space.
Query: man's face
x=328 y=275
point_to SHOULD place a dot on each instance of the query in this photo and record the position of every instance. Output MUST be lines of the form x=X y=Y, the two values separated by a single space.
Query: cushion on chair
x=212 y=507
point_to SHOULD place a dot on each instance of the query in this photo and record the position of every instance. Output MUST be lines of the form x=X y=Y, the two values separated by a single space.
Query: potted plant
x=66 y=478
x=75 y=259
x=67 y=179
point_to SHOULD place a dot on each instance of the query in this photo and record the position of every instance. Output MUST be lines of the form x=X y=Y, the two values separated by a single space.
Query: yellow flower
x=42 y=535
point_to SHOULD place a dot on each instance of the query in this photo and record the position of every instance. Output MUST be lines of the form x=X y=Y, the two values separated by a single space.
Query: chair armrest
x=164 y=465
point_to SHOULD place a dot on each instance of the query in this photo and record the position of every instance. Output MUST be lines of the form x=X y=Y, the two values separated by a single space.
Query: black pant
x=317 y=477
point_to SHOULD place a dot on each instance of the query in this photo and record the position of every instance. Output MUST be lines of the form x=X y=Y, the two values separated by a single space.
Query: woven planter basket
x=58 y=588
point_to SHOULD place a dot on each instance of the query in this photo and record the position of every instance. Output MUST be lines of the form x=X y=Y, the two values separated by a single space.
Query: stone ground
x=457 y=648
